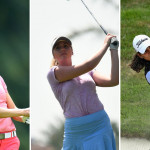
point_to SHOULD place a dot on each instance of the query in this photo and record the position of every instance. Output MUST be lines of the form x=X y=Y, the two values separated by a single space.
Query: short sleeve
x=91 y=73
x=3 y=84
x=55 y=85
x=51 y=77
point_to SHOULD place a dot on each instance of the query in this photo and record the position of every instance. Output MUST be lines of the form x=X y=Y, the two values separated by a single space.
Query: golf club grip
x=114 y=41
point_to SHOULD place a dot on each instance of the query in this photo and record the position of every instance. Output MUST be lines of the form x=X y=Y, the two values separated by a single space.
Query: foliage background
x=14 y=57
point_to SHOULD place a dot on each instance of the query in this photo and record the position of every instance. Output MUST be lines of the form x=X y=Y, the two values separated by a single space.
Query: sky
x=53 y=18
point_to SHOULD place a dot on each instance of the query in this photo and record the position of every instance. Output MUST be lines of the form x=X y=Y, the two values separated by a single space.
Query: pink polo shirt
x=6 y=124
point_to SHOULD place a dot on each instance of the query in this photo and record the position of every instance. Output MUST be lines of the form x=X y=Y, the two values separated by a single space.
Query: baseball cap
x=60 y=39
x=140 y=43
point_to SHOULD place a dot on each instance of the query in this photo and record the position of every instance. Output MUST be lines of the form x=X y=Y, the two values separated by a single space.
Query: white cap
x=140 y=43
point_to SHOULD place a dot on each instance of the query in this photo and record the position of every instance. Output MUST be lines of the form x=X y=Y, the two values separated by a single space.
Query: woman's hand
x=24 y=113
x=108 y=38
x=111 y=79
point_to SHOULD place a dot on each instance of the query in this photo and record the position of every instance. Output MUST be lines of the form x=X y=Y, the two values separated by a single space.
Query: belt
x=7 y=135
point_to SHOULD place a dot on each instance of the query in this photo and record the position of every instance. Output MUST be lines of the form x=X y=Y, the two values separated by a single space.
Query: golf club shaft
x=94 y=18
x=114 y=39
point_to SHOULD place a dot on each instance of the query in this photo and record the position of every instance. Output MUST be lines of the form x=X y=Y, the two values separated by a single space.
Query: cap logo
x=140 y=42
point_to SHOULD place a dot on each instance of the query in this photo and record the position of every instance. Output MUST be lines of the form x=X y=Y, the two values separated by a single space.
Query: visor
x=60 y=39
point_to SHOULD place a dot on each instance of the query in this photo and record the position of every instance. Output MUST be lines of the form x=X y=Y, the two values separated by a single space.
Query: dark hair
x=138 y=63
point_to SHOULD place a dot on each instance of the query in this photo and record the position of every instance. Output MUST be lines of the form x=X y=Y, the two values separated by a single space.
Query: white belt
x=7 y=135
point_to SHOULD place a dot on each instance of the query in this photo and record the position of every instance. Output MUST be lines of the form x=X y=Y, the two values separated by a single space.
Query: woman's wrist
x=105 y=45
x=26 y=112
x=114 y=52
x=21 y=112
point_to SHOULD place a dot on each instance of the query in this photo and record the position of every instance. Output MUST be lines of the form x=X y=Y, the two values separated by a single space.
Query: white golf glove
x=114 y=44
x=26 y=120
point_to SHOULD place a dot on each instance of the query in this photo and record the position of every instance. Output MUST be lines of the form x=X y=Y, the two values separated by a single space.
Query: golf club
x=94 y=17
x=114 y=40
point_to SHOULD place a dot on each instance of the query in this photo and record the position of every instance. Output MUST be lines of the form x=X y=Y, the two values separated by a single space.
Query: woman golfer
x=141 y=59
x=8 y=138
x=87 y=126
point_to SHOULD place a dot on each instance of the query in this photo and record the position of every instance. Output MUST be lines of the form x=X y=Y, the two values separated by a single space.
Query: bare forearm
x=114 y=67
x=64 y=73
x=91 y=63
x=4 y=113
x=94 y=61
x=19 y=118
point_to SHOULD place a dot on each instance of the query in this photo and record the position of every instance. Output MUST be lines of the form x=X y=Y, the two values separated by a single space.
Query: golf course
x=135 y=91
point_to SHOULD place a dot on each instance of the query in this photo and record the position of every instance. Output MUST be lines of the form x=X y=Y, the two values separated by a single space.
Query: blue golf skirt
x=91 y=132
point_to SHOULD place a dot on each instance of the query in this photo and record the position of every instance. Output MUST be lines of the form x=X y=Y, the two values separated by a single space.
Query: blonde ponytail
x=53 y=63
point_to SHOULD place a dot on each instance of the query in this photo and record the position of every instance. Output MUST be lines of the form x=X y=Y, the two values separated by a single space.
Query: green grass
x=135 y=91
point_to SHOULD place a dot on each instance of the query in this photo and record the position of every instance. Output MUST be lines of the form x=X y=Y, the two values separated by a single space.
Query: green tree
x=14 y=57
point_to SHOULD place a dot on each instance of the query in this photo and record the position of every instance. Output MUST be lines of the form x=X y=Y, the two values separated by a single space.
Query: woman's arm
x=5 y=113
x=113 y=78
x=13 y=111
x=64 y=73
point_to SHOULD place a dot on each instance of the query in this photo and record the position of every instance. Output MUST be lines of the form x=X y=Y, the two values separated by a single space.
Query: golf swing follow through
x=87 y=125
x=114 y=41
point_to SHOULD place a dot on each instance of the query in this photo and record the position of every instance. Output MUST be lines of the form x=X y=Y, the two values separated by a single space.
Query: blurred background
x=14 y=57
x=53 y=18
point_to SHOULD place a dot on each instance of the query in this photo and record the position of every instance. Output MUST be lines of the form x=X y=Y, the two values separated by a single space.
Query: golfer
x=8 y=137
x=141 y=44
x=87 y=126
